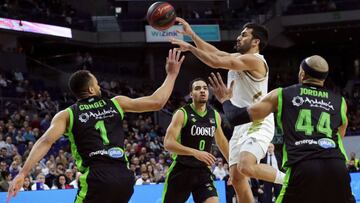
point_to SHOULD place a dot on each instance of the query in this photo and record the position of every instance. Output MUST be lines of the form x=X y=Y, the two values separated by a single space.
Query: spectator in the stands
x=27 y=184
x=40 y=183
x=6 y=179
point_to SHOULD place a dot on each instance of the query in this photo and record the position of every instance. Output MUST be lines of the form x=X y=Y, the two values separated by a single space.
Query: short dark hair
x=4 y=174
x=259 y=32
x=79 y=82
x=195 y=80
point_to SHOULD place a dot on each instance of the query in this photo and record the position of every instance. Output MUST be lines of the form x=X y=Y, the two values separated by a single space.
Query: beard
x=242 y=49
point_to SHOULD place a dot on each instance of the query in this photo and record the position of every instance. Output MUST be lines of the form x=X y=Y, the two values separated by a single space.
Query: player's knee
x=246 y=164
x=246 y=169
x=237 y=177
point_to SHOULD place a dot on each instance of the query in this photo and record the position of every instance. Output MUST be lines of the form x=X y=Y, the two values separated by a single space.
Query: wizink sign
x=209 y=33
x=153 y=35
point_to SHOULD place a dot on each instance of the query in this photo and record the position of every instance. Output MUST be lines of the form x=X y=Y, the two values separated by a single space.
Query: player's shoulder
x=235 y=54
x=63 y=115
x=290 y=88
x=180 y=111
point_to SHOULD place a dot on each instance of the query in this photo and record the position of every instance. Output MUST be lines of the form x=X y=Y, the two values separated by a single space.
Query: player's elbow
x=45 y=141
x=167 y=144
x=255 y=114
x=157 y=105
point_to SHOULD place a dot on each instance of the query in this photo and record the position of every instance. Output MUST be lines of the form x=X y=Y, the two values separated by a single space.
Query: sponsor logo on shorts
x=116 y=152
x=326 y=143
x=309 y=142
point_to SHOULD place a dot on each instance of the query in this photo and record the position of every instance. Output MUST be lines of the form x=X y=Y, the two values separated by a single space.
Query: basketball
x=161 y=15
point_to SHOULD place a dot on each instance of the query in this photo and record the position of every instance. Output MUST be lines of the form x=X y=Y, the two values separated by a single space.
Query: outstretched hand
x=187 y=30
x=183 y=46
x=173 y=62
x=15 y=186
x=221 y=92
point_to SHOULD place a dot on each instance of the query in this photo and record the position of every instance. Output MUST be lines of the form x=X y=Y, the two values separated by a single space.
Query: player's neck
x=199 y=107
x=253 y=51
x=82 y=97
x=313 y=82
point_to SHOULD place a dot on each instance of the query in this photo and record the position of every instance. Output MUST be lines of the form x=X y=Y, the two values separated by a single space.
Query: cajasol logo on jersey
x=326 y=143
x=116 y=152
x=299 y=101
x=202 y=131
x=98 y=115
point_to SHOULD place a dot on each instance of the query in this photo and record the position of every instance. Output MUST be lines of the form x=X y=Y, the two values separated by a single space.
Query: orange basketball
x=161 y=15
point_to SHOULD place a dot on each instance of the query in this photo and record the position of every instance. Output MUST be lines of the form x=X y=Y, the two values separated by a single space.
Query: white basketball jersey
x=247 y=89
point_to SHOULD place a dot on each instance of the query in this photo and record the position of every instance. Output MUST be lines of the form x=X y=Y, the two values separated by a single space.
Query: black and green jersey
x=310 y=117
x=95 y=132
x=198 y=132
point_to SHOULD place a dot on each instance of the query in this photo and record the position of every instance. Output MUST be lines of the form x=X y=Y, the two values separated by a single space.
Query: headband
x=312 y=72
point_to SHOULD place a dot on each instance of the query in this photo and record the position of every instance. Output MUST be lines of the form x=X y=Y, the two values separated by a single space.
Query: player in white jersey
x=248 y=71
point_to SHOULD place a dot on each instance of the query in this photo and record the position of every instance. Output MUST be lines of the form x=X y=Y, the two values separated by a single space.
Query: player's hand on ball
x=183 y=46
x=205 y=157
x=173 y=62
x=186 y=27
x=217 y=86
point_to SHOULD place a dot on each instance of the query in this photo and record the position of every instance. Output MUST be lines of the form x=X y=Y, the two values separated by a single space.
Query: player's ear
x=301 y=75
x=91 y=90
x=256 y=42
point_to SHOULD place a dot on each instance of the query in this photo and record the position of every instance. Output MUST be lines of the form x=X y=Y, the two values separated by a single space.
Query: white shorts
x=253 y=138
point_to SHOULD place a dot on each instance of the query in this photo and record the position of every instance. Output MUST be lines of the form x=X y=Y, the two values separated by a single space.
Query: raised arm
x=221 y=140
x=40 y=149
x=158 y=99
x=229 y=62
x=171 y=144
x=200 y=43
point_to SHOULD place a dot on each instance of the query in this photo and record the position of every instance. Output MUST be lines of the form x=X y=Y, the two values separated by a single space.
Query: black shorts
x=317 y=181
x=106 y=184
x=182 y=180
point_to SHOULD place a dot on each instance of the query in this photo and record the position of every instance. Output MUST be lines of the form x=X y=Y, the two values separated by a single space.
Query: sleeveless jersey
x=198 y=132
x=247 y=89
x=310 y=117
x=95 y=132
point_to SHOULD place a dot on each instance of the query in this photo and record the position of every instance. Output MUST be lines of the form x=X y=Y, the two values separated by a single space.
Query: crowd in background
x=318 y=6
x=55 y=12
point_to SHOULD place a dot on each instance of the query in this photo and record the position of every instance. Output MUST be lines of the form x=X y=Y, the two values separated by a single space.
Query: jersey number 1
x=303 y=123
x=100 y=125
